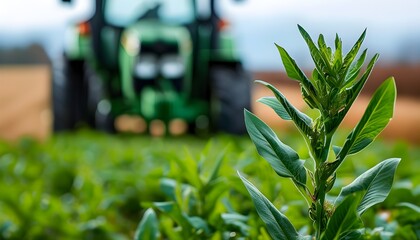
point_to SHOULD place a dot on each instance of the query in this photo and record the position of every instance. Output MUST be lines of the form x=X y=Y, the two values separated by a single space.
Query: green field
x=88 y=185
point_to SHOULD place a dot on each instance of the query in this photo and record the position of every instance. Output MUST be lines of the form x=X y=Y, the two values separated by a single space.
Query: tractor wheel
x=104 y=121
x=99 y=114
x=231 y=93
x=69 y=94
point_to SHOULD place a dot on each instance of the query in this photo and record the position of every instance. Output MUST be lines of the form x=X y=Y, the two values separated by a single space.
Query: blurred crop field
x=90 y=185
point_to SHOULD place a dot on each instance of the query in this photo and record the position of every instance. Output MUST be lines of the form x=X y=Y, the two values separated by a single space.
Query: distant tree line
x=33 y=54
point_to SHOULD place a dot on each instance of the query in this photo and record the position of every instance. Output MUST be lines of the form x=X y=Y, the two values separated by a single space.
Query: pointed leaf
x=377 y=115
x=354 y=69
x=352 y=235
x=321 y=63
x=284 y=160
x=344 y=220
x=214 y=173
x=188 y=165
x=375 y=184
x=348 y=59
x=336 y=150
x=413 y=207
x=172 y=210
x=323 y=48
x=301 y=120
x=148 y=227
x=353 y=92
x=312 y=103
x=338 y=57
x=276 y=106
x=237 y=221
x=292 y=69
x=199 y=224
x=294 y=72
x=279 y=227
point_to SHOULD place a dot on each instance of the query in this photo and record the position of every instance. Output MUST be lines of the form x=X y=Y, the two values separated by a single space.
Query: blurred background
x=33 y=32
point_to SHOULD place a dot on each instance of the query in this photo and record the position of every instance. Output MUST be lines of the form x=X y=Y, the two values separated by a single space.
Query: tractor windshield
x=125 y=12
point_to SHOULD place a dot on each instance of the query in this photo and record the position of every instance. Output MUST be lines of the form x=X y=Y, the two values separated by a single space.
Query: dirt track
x=24 y=101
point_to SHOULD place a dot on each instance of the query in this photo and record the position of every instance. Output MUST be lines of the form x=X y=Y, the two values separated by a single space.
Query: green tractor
x=157 y=66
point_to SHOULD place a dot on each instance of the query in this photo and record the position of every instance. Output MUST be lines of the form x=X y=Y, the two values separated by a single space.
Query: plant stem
x=327 y=147
x=319 y=203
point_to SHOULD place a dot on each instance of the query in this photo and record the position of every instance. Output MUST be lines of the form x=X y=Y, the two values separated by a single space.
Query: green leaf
x=284 y=160
x=199 y=224
x=310 y=165
x=348 y=59
x=188 y=165
x=353 y=92
x=214 y=173
x=237 y=221
x=338 y=53
x=410 y=206
x=336 y=150
x=278 y=226
x=321 y=63
x=352 y=235
x=276 y=106
x=375 y=184
x=301 y=120
x=148 y=227
x=312 y=103
x=292 y=69
x=354 y=69
x=294 y=72
x=173 y=211
x=213 y=193
x=377 y=115
x=178 y=192
x=344 y=220
x=323 y=48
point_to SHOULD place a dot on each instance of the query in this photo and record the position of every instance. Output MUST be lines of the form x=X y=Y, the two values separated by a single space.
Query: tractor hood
x=156 y=40
x=154 y=32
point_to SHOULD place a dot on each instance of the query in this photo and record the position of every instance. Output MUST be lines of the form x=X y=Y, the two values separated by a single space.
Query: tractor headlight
x=146 y=66
x=172 y=66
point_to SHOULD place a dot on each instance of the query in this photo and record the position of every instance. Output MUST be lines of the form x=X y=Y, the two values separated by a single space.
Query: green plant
x=197 y=205
x=332 y=89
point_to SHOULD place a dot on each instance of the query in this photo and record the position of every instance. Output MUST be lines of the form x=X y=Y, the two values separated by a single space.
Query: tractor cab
x=154 y=62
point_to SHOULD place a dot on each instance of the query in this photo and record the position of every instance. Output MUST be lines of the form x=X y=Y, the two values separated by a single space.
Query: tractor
x=151 y=66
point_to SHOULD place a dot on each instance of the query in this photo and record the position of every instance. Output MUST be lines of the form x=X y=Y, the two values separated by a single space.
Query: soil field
x=24 y=101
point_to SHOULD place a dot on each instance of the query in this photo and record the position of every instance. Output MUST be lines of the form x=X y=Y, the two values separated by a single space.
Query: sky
x=393 y=27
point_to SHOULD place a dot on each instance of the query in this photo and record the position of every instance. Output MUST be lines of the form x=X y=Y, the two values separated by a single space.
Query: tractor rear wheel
x=231 y=93
x=69 y=94
x=99 y=106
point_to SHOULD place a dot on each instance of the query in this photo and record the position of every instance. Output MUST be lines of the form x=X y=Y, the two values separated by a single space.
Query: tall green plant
x=332 y=89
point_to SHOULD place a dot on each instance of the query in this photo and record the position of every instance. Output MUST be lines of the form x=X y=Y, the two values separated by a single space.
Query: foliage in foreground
x=332 y=89
x=88 y=185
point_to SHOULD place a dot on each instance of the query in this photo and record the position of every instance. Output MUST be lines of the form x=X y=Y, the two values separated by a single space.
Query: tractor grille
x=148 y=69
x=159 y=48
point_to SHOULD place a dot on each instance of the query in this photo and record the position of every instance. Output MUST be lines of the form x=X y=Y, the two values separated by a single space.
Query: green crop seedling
x=332 y=89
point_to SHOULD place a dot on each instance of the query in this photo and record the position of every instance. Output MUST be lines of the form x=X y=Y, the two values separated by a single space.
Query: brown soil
x=24 y=101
